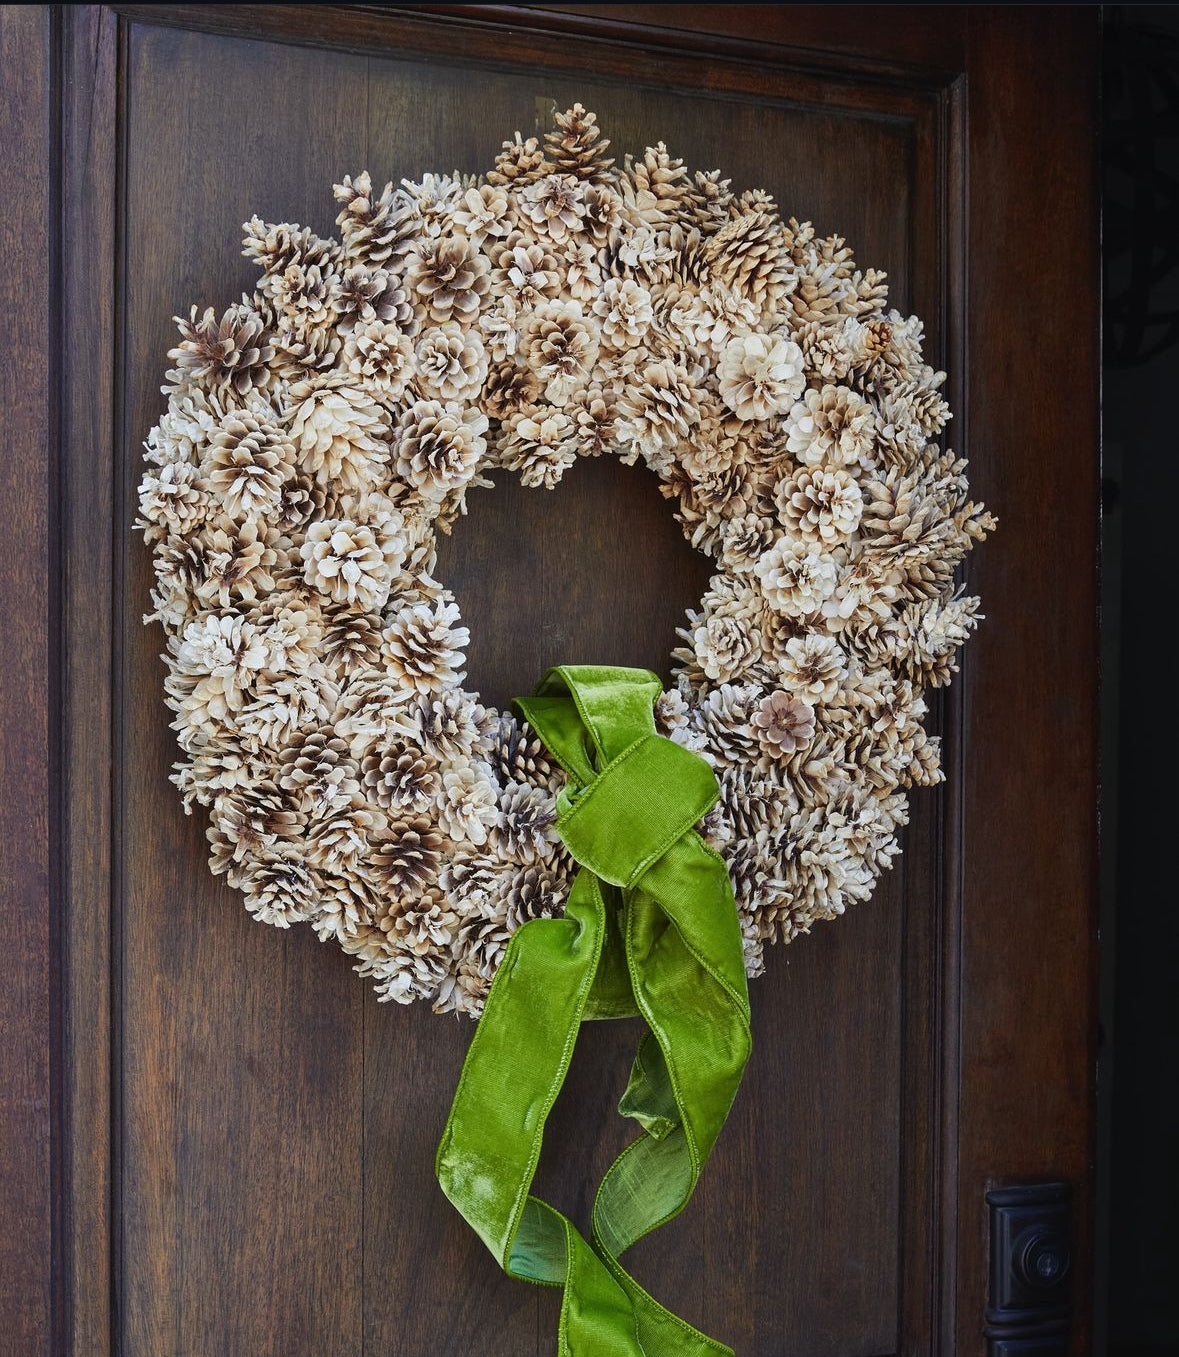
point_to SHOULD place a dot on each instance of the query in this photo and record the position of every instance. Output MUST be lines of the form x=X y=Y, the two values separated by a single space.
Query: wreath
x=320 y=432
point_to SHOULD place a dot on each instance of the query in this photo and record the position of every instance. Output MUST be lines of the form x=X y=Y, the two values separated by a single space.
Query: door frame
x=1019 y=923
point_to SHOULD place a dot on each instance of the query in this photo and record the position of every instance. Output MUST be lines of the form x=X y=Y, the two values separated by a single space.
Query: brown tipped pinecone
x=438 y=447
x=303 y=498
x=274 y=248
x=318 y=771
x=401 y=777
x=536 y=892
x=248 y=461
x=423 y=647
x=234 y=351
x=449 y=724
x=351 y=640
x=748 y=255
x=448 y=279
x=519 y=162
x=379 y=229
x=723 y=718
x=576 y=145
x=406 y=859
x=525 y=830
x=280 y=889
x=658 y=184
x=516 y=754
x=367 y=294
x=509 y=389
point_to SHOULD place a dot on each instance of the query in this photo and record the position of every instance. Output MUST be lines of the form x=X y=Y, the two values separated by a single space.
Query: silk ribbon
x=650 y=928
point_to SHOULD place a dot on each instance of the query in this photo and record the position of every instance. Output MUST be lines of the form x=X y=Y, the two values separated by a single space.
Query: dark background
x=1138 y=1169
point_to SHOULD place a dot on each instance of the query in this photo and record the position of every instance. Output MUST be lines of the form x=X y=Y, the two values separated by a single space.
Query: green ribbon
x=650 y=928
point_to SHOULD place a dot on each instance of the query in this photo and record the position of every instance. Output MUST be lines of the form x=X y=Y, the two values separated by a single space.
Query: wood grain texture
x=25 y=479
x=267 y=1184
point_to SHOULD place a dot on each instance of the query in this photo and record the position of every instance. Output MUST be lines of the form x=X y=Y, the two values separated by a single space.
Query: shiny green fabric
x=650 y=928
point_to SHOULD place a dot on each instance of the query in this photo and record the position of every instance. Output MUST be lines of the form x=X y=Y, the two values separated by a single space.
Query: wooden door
x=245 y=1137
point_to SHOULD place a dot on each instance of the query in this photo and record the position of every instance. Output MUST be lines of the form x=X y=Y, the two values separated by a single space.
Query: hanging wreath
x=320 y=433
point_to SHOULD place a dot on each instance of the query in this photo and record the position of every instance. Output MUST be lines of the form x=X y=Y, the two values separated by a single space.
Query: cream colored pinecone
x=318 y=772
x=509 y=388
x=307 y=296
x=424 y=647
x=784 y=724
x=745 y=539
x=539 y=445
x=379 y=229
x=406 y=858
x=451 y=363
x=516 y=754
x=760 y=375
x=722 y=719
x=367 y=295
x=424 y=931
x=172 y=501
x=553 y=207
x=594 y=422
x=796 y=577
x=602 y=212
x=624 y=309
x=351 y=640
x=748 y=256
x=560 y=346
x=483 y=212
x=525 y=272
x=354 y=563
x=536 y=891
x=576 y=146
x=279 y=888
x=233 y=351
x=525 y=830
x=467 y=806
x=833 y=425
x=438 y=448
x=239 y=561
x=380 y=354
x=518 y=163
x=274 y=247
x=726 y=647
x=401 y=776
x=820 y=505
x=656 y=407
x=656 y=187
x=340 y=434
x=813 y=666
x=247 y=463
x=448 y=279
x=449 y=723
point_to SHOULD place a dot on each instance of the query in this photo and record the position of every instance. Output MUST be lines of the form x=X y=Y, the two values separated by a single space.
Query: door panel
x=271 y=1126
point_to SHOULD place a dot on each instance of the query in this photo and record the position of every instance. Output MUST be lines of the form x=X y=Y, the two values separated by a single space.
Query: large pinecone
x=406 y=859
x=576 y=145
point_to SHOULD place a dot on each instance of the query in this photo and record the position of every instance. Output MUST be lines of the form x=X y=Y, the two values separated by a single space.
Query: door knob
x=1030 y=1248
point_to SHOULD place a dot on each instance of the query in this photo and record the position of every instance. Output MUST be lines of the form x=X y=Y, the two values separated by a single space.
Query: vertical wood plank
x=241 y=1051
x=1030 y=784
x=88 y=179
x=25 y=970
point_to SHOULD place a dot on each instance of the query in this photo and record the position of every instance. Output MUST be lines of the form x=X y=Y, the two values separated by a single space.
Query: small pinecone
x=448 y=279
x=450 y=724
x=274 y=248
x=351 y=640
x=280 y=889
x=576 y=145
x=525 y=829
x=247 y=463
x=516 y=754
x=233 y=351
x=509 y=388
x=749 y=256
x=925 y=764
x=401 y=777
x=310 y=760
x=658 y=183
x=519 y=162
x=423 y=649
x=406 y=859
x=303 y=498
x=366 y=295
x=723 y=718
x=378 y=229
x=535 y=893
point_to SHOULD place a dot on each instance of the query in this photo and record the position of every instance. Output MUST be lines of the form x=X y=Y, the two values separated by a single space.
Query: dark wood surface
x=25 y=440
x=248 y=1137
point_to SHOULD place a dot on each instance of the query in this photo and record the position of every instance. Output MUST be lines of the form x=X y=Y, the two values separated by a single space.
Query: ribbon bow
x=650 y=927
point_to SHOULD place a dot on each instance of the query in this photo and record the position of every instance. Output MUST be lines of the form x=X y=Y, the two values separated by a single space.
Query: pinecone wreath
x=320 y=431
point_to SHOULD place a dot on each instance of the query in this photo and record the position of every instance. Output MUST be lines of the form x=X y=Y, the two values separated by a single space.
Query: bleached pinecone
x=424 y=647
x=760 y=375
x=318 y=771
x=813 y=667
x=353 y=563
x=526 y=828
x=519 y=162
x=516 y=754
x=438 y=447
x=367 y=295
x=722 y=719
x=379 y=229
x=240 y=561
x=576 y=146
x=748 y=255
x=256 y=818
x=400 y=776
x=351 y=640
x=510 y=388
x=448 y=279
x=275 y=247
x=247 y=463
x=340 y=433
x=657 y=186
x=233 y=351
x=538 y=443
x=833 y=425
x=656 y=407
x=560 y=346
x=820 y=504
x=380 y=354
x=594 y=421
x=451 y=363
x=536 y=892
x=405 y=859
x=280 y=889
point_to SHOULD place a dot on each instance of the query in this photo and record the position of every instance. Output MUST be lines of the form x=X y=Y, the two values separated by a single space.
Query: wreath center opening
x=596 y=572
